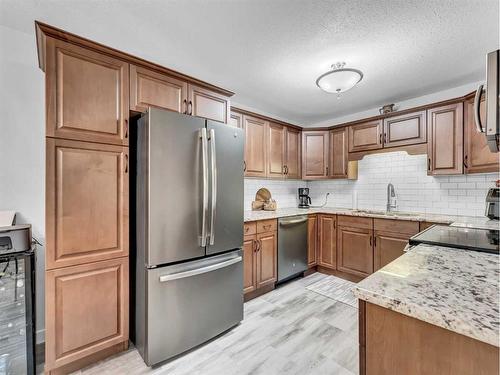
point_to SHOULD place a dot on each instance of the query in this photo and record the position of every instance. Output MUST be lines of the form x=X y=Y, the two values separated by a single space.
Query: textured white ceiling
x=271 y=52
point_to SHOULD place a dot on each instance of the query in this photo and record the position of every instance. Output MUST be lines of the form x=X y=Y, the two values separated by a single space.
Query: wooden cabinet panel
x=149 y=88
x=327 y=234
x=86 y=310
x=255 y=146
x=87 y=94
x=365 y=136
x=338 y=153
x=355 y=251
x=249 y=264
x=250 y=228
x=314 y=155
x=445 y=146
x=292 y=153
x=477 y=156
x=388 y=246
x=86 y=202
x=394 y=343
x=236 y=119
x=267 y=258
x=275 y=150
x=355 y=221
x=405 y=130
x=312 y=240
x=270 y=225
x=208 y=104
x=398 y=226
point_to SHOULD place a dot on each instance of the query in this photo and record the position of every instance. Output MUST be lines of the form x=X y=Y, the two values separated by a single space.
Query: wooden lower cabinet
x=355 y=245
x=312 y=240
x=327 y=235
x=86 y=311
x=393 y=343
x=260 y=258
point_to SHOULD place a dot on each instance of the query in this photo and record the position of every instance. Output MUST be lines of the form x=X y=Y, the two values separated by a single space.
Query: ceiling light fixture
x=339 y=79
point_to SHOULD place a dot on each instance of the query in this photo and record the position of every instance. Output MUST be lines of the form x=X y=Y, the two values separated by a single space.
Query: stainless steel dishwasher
x=292 y=246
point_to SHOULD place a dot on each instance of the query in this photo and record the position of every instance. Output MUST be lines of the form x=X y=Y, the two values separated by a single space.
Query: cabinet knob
x=126 y=128
x=185 y=105
x=126 y=163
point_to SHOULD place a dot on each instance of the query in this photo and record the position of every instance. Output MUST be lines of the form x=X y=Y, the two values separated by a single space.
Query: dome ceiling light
x=339 y=79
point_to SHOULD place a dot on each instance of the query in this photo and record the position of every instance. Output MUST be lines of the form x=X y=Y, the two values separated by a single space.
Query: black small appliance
x=493 y=204
x=304 y=198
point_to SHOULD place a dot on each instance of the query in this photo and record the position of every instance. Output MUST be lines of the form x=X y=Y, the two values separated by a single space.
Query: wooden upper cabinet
x=292 y=154
x=87 y=202
x=249 y=264
x=236 y=119
x=445 y=145
x=405 y=130
x=312 y=240
x=149 y=88
x=338 y=153
x=365 y=136
x=267 y=257
x=327 y=234
x=208 y=104
x=255 y=146
x=477 y=156
x=315 y=155
x=275 y=150
x=86 y=310
x=87 y=94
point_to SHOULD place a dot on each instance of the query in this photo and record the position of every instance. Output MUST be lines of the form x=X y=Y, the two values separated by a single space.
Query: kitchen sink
x=385 y=213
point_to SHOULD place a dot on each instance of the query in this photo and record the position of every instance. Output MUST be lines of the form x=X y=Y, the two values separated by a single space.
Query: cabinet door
x=87 y=94
x=86 y=310
x=314 y=155
x=255 y=146
x=292 y=154
x=207 y=104
x=275 y=150
x=477 y=156
x=266 y=258
x=149 y=88
x=327 y=233
x=365 y=136
x=312 y=240
x=236 y=119
x=355 y=251
x=445 y=146
x=249 y=266
x=387 y=247
x=86 y=202
x=409 y=129
x=338 y=153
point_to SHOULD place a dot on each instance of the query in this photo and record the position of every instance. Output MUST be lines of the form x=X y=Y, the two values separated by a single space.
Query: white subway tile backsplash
x=415 y=191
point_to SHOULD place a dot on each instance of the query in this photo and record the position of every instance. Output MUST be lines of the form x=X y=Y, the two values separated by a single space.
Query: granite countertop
x=465 y=221
x=451 y=288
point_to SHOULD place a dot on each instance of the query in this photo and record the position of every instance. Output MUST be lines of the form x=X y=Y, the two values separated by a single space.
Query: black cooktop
x=461 y=238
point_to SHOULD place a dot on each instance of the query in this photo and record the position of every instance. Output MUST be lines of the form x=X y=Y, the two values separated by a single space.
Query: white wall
x=284 y=192
x=415 y=191
x=22 y=143
x=404 y=104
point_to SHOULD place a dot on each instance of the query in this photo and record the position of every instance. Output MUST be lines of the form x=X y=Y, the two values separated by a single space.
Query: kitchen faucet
x=391 y=197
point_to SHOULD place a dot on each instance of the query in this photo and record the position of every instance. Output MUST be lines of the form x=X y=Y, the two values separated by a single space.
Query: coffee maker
x=304 y=198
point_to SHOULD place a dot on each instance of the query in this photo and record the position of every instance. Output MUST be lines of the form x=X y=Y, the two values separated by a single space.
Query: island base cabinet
x=86 y=313
x=393 y=343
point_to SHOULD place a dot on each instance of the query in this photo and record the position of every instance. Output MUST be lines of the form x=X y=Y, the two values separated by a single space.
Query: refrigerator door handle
x=204 y=157
x=199 y=271
x=213 y=161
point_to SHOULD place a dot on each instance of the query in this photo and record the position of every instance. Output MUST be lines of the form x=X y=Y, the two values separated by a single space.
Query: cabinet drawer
x=355 y=222
x=250 y=228
x=397 y=226
x=267 y=226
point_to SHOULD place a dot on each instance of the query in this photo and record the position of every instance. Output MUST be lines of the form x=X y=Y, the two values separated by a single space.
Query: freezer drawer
x=190 y=303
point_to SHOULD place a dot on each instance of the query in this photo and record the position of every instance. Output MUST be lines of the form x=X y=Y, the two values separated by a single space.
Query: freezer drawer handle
x=292 y=222
x=199 y=271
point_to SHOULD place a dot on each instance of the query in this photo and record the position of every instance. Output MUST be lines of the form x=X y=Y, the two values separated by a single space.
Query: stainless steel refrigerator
x=189 y=212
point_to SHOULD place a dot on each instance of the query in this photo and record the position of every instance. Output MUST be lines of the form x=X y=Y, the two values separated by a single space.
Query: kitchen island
x=434 y=310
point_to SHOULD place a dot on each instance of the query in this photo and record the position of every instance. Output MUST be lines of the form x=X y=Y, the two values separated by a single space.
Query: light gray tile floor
x=290 y=330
